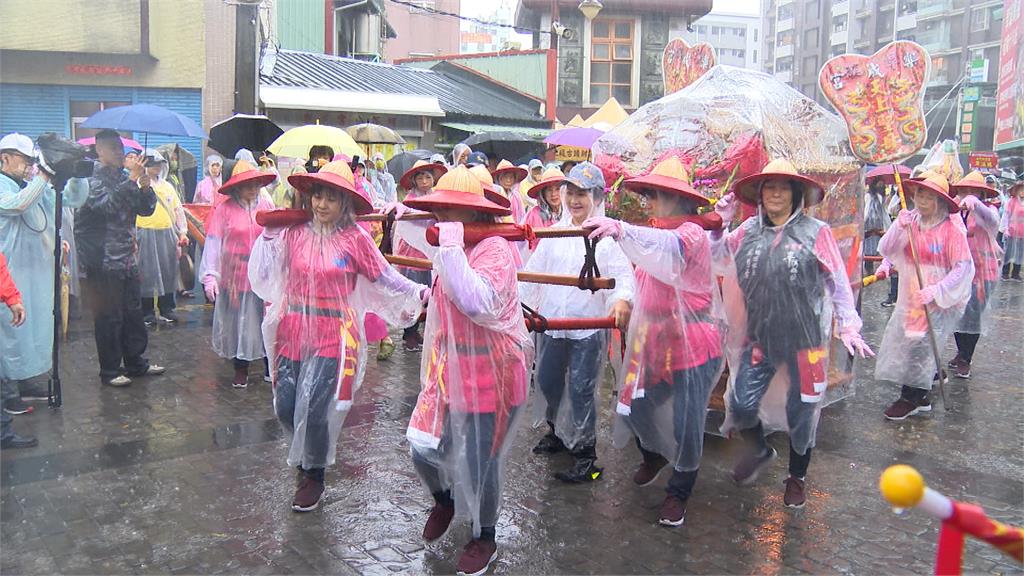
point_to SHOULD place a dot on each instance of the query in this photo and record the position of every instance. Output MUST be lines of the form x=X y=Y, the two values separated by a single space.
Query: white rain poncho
x=905 y=355
x=319 y=286
x=158 y=236
x=982 y=225
x=473 y=374
x=673 y=345
x=876 y=221
x=238 y=311
x=570 y=364
x=781 y=286
x=27 y=236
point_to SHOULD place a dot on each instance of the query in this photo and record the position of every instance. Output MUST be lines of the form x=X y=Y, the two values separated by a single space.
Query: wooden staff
x=920 y=282
x=407 y=216
x=195 y=229
x=532 y=277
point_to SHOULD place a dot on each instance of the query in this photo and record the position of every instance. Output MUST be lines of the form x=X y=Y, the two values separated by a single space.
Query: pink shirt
x=236 y=227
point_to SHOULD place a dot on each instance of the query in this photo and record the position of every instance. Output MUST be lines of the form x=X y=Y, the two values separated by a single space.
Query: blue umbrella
x=147 y=118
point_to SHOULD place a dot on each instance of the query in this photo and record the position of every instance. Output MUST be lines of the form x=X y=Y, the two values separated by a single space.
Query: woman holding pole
x=673 y=348
x=570 y=363
x=947 y=271
x=474 y=368
x=321 y=276
x=786 y=281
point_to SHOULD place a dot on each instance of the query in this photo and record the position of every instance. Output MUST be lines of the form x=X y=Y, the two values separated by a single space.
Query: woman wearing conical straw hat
x=547 y=191
x=905 y=355
x=230 y=233
x=784 y=281
x=508 y=176
x=982 y=222
x=474 y=369
x=321 y=277
x=673 y=346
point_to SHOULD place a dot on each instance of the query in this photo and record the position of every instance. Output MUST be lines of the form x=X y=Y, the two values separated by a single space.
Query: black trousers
x=165 y=303
x=116 y=306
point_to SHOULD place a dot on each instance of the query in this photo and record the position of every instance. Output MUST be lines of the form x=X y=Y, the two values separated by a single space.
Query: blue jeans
x=577 y=364
x=321 y=375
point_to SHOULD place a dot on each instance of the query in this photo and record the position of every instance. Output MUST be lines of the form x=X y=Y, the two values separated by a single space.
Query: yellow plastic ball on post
x=902 y=486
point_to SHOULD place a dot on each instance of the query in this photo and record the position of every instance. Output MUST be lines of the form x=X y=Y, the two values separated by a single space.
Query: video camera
x=62 y=159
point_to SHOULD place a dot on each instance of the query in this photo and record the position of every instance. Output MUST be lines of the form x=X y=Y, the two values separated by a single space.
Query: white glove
x=450 y=234
x=726 y=207
x=970 y=202
x=855 y=344
x=397 y=207
x=211 y=288
x=604 y=227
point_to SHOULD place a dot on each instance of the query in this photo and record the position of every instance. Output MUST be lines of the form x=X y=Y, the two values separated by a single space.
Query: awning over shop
x=531 y=131
x=294 y=98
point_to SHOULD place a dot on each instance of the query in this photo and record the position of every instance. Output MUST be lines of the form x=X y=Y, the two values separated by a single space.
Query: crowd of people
x=298 y=282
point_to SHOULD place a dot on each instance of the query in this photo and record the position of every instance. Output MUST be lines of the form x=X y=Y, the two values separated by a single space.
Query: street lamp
x=590 y=8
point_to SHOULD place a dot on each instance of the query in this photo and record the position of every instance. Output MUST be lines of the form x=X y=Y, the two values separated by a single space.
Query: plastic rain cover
x=570 y=364
x=473 y=374
x=728 y=125
x=319 y=283
x=905 y=355
x=982 y=224
x=238 y=311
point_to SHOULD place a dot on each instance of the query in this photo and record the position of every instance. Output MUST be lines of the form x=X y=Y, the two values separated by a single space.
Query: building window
x=784 y=65
x=81 y=109
x=786 y=12
x=784 y=38
x=839 y=23
x=701 y=29
x=611 y=61
x=714 y=30
x=811 y=38
x=908 y=7
x=979 y=19
x=810 y=64
x=741 y=32
x=755 y=34
x=811 y=10
x=755 y=56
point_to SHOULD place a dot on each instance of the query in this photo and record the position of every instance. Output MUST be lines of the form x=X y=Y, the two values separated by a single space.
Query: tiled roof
x=459 y=97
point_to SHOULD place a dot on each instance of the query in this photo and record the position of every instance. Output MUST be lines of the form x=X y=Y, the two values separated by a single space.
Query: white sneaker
x=119 y=382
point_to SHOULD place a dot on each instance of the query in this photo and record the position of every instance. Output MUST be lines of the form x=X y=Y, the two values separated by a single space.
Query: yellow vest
x=160 y=219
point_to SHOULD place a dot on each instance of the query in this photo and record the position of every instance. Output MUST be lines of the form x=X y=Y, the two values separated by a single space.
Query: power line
x=437 y=12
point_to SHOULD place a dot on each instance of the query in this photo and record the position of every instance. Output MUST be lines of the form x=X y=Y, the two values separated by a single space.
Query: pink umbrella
x=577 y=137
x=127 y=142
x=884 y=173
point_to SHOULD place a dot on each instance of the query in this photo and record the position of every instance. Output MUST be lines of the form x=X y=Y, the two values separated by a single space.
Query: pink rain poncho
x=570 y=364
x=905 y=355
x=320 y=286
x=1012 y=227
x=238 y=311
x=473 y=374
x=982 y=224
x=673 y=345
x=781 y=287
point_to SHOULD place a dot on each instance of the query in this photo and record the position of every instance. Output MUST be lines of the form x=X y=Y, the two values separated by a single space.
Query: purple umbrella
x=127 y=142
x=577 y=137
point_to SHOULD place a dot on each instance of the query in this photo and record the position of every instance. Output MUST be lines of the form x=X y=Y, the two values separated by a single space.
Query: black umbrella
x=504 y=145
x=251 y=131
x=399 y=163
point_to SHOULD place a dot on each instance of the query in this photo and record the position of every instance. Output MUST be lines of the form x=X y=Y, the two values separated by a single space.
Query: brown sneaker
x=901 y=409
x=673 y=509
x=648 y=472
x=476 y=557
x=749 y=467
x=794 y=497
x=438 y=522
x=308 y=495
x=955 y=361
x=962 y=370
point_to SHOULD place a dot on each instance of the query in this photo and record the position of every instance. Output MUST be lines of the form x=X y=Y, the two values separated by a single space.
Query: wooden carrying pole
x=532 y=277
x=920 y=282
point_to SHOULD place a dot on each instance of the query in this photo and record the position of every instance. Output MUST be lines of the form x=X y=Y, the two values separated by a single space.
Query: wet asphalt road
x=183 y=474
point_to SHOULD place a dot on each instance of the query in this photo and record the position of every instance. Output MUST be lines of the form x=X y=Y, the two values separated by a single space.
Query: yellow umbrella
x=295 y=143
x=610 y=113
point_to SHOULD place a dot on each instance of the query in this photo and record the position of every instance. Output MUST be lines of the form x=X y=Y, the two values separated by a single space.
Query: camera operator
x=108 y=257
x=27 y=232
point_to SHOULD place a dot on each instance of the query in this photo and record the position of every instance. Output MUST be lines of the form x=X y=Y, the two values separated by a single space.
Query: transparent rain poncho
x=781 y=287
x=905 y=355
x=570 y=364
x=982 y=225
x=158 y=236
x=673 y=345
x=320 y=285
x=1011 y=225
x=725 y=126
x=473 y=374
x=238 y=311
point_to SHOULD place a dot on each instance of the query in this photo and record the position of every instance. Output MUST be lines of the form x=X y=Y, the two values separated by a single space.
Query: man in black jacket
x=107 y=252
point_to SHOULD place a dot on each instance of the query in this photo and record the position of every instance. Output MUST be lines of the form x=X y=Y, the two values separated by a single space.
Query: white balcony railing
x=783 y=51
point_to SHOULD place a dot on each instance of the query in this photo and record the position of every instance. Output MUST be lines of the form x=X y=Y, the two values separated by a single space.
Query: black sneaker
x=549 y=444
x=17 y=406
x=35 y=394
x=15 y=442
x=583 y=470
x=750 y=466
x=149 y=320
x=169 y=318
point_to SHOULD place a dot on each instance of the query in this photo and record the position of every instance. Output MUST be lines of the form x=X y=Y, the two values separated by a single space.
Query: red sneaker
x=308 y=495
x=438 y=522
x=673 y=510
x=901 y=409
x=794 y=497
x=648 y=472
x=476 y=557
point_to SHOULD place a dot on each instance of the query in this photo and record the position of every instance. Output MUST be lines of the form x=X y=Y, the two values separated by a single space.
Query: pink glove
x=855 y=344
x=726 y=207
x=906 y=218
x=926 y=295
x=397 y=207
x=884 y=270
x=450 y=234
x=425 y=295
x=604 y=227
x=211 y=288
x=970 y=202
